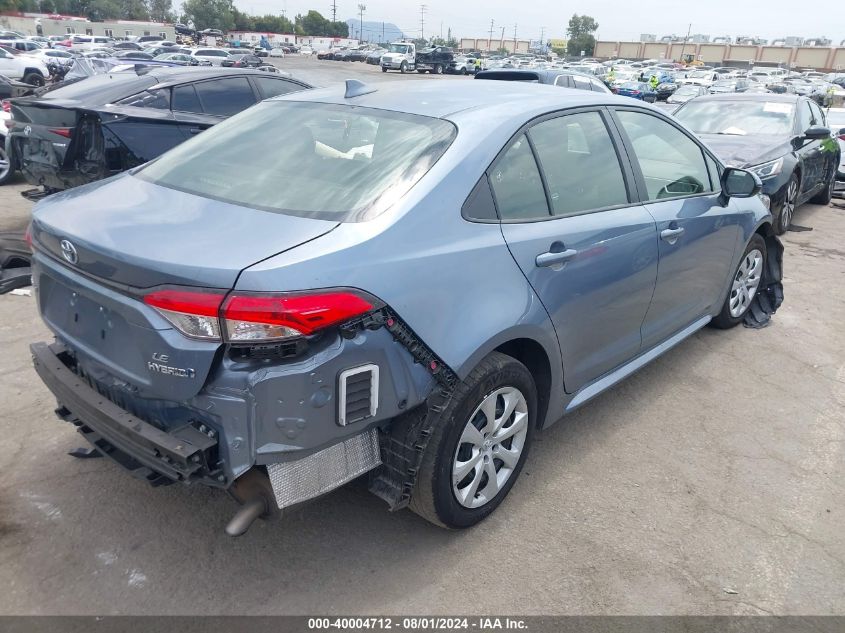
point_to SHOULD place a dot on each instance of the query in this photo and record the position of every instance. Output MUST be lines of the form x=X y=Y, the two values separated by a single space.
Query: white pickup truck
x=23 y=67
x=404 y=57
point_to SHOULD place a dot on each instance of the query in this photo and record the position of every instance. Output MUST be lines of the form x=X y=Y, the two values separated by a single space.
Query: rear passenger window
x=185 y=99
x=516 y=184
x=580 y=163
x=671 y=162
x=270 y=87
x=225 y=97
x=581 y=83
x=564 y=81
x=149 y=99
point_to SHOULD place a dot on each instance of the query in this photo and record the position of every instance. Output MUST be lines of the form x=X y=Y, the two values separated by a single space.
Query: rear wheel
x=33 y=79
x=744 y=285
x=787 y=210
x=826 y=195
x=438 y=69
x=479 y=444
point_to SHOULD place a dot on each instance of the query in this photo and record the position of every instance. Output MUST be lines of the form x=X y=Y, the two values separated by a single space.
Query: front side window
x=672 y=163
x=580 y=163
x=517 y=185
x=325 y=161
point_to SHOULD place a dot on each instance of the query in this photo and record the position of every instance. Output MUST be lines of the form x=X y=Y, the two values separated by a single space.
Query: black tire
x=384 y=69
x=725 y=320
x=464 y=72
x=782 y=222
x=421 y=72
x=433 y=498
x=825 y=195
x=438 y=69
x=33 y=79
x=403 y=68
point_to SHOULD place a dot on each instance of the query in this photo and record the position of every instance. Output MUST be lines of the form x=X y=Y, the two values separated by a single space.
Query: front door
x=698 y=231
x=589 y=253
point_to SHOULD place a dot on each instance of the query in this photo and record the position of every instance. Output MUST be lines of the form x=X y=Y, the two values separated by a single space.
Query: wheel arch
x=535 y=358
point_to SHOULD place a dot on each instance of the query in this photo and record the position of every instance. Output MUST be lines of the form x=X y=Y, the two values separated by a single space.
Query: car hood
x=745 y=151
x=129 y=231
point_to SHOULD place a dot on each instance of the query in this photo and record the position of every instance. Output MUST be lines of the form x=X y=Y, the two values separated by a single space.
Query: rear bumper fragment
x=183 y=454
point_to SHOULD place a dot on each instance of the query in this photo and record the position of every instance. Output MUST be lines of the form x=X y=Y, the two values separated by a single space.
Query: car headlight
x=767 y=170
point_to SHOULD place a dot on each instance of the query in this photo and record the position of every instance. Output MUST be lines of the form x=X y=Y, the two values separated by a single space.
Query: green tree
x=209 y=14
x=161 y=10
x=581 y=32
x=134 y=10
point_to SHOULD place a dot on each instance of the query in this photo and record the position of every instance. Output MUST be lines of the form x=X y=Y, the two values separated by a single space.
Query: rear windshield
x=325 y=161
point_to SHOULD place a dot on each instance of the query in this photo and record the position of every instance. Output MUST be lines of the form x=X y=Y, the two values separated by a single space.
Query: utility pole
x=490 y=39
x=542 y=35
x=502 y=41
x=423 y=9
x=684 y=46
x=514 y=38
x=334 y=10
x=382 y=32
x=361 y=9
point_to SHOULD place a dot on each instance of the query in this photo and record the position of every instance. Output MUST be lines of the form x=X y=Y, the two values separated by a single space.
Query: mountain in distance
x=374 y=31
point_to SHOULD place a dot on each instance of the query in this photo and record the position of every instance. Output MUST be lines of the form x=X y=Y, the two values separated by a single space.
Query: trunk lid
x=126 y=235
x=131 y=232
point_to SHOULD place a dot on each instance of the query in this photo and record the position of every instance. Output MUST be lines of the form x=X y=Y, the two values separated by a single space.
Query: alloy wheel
x=788 y=209
x=5 y=164
x=746 y=282
x=490 y=446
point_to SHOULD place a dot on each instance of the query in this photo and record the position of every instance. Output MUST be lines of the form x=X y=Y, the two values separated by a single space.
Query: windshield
x=737 y=117
x=325 y=161
x=399 y=48
x=700 y=74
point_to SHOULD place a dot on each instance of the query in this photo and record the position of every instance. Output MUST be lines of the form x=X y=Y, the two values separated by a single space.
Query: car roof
x=543 y=75
x=442 y=99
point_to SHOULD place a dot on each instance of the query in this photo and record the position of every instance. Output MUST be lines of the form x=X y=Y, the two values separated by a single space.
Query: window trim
x=628 y=175
x=635 y=162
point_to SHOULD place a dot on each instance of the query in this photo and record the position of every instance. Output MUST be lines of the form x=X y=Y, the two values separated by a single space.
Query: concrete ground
x=711 y=482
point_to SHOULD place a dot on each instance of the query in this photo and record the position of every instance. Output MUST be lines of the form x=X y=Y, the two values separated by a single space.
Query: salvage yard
x=710 y=482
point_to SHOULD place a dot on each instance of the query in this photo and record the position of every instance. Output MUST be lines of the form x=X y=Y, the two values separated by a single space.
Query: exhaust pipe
x=254 y=492
x=246 y=516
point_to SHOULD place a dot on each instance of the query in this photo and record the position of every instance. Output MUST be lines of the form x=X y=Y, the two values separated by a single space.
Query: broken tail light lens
x=61 y=131
x=7 y=105
x=258 y=317
x=273 y=317
x=193 y=313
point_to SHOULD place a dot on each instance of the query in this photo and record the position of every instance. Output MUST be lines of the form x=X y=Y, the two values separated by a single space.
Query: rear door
x=568 y=215
x=698 y=234
x=199 y=105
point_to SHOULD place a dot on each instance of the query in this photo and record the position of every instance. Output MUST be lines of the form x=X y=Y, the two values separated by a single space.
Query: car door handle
x=196 y=130
x=551 y=258
x=671 y=235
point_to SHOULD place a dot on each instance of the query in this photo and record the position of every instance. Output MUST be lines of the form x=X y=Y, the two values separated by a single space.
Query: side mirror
x=740 y=183
x=841 y=131
x=817 y=133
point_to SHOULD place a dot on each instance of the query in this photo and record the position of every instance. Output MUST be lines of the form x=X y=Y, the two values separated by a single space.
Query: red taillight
x=191 y=312
x=262 y=317
x=27 y=236
x=257 y=316
x=61 y=131
x=7 y=105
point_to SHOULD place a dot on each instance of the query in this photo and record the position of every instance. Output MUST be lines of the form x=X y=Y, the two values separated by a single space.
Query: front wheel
x=384 y=69
x=438 y=69
x=403 y=68
x=479 y=444
x=787 y=210
x=744 y=285
x=6 y=170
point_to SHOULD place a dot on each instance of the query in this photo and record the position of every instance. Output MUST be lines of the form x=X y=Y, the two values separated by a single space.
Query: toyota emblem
x=27 y=131
x=69 y=252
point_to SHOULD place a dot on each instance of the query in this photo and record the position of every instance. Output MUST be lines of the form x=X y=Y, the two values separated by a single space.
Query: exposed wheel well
x=531 y=354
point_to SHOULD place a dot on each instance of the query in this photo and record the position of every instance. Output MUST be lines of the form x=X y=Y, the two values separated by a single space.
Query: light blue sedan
x=407 y=280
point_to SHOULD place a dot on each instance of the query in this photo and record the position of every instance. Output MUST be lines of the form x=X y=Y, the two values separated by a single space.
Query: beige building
x=43 y=24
